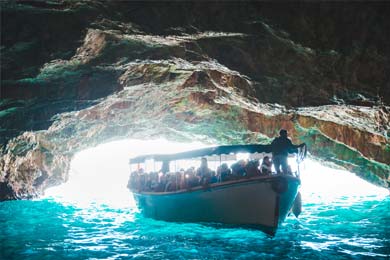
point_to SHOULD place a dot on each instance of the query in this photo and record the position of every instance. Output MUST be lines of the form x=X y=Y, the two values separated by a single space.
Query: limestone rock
x=224 y=73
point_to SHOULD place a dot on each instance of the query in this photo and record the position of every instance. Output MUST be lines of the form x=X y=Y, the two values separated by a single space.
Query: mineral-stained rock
x=228 y=73
x=29 y=165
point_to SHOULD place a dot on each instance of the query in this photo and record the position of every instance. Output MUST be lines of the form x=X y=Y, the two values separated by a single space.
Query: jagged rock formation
x=116 y=70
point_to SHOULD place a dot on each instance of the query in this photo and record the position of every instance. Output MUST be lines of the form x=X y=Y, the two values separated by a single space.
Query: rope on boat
x=302 y=152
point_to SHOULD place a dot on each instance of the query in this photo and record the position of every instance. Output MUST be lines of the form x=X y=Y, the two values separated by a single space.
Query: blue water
x=345 y=228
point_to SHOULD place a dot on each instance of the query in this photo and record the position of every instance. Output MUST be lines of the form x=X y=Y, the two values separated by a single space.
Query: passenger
x=191 y=170
x=181 y=179
x=203 y=172
x=171 y=183
x=281 y=146
x=162 y=182
x=133 y=180
x=224 y=173
x=191 y=179
x=266 y=166
x=142 y=181
x=214 y=178
x=154 y=181
x=252 y=168
x=238 y=169
x=178 y=179
x=148 y=183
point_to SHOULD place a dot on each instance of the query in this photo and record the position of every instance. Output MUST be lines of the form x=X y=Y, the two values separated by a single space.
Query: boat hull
x=261 y=202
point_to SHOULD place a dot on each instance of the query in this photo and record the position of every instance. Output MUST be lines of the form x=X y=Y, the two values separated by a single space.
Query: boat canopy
x=209 y=151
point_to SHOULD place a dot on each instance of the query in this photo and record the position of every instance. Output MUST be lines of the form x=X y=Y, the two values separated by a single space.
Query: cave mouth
x=99 y=175
x=323 y=184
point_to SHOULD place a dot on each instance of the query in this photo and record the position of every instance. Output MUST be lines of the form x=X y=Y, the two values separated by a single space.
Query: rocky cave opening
x=98 y=176
x=113 y=70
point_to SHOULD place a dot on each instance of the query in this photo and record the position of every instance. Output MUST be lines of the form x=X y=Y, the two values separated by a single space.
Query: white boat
x=260 y=202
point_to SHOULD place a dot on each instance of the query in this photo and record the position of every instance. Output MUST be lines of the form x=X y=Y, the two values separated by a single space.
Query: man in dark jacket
x=281 y=146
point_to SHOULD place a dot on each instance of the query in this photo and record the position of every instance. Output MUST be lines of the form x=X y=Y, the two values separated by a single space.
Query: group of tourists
x=165 y=181
x=202 y=176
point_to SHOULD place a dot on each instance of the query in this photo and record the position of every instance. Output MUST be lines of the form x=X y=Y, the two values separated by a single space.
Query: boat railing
x=209 y=186
x=181 y=181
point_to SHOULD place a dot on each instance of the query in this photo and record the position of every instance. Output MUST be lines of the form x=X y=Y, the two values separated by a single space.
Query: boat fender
x=297 y=206
x=280 y=185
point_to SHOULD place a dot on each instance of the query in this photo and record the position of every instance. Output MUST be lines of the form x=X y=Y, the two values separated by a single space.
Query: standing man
x=281 y=146
x=203 y=172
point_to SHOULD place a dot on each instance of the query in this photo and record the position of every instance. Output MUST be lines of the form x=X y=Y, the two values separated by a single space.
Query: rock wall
x=76 y=74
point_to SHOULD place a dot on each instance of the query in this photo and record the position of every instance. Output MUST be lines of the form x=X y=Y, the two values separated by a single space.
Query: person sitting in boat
x=171 y=183
x=178 y=179
x=224 y=173
x=136 y=180
x=281 y=146
x=203 y=172
x=266 y=166
x=252 y=168
x=132 y=180
x=190 y=178
x=162 y=181
x=153 y=181
x=214 y=177
x=181 y=177
x=148 y=183
x=238 y=169
x=141 y=181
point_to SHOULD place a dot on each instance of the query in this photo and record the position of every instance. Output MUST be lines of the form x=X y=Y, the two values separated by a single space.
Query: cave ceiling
x=77 y=74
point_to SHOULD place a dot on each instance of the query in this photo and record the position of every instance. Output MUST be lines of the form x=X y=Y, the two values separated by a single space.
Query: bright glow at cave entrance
x=324 y=184
x=100 y=175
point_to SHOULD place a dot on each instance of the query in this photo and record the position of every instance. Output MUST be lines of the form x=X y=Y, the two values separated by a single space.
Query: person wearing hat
x=281 y=146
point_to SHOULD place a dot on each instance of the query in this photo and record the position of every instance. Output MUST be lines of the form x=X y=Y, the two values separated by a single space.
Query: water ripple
x=339 y=231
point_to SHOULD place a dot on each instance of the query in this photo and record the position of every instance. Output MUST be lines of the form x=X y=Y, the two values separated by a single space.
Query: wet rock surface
x=102 y=71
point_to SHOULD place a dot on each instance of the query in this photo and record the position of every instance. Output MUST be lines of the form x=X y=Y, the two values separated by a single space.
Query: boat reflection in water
x=257 y=201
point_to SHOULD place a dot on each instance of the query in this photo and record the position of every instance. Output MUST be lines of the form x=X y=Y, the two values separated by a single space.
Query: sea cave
x=79 y=75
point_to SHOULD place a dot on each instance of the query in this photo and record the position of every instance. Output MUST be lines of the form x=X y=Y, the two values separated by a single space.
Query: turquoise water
x=348 y=227
x=92 y=216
